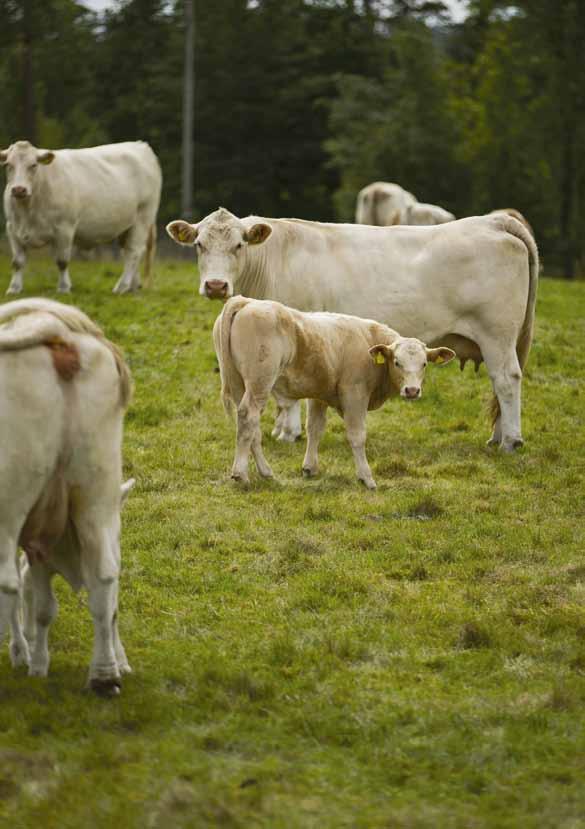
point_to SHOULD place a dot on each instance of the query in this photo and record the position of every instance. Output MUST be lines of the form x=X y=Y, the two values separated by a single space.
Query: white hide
x=427 y=214
x=468 y=284
x=88 y=197
x=70 y=431
x=383 y=203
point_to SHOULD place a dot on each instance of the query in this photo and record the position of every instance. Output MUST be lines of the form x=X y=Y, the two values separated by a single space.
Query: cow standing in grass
x=64 y=389
x=469 y=285
x=351 y=364
x=88 y=197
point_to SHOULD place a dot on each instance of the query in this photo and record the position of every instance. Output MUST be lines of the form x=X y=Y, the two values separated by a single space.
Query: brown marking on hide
x=46 y=522
x=65 y=358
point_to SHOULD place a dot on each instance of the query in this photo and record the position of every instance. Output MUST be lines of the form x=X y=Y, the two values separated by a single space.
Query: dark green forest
x=300 y=103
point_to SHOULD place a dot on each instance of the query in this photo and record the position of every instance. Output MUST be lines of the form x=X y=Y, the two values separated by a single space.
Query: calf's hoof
x=13 y=290
x=492 y=442
x=288 y=437
x=239 y=478
x=512 y=445
x=369 y=483
x=63 y=289
x=105 y=687
x=308 y=472
x=38 y=670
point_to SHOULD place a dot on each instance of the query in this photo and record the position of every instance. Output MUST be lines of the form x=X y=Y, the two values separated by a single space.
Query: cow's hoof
x=492 y=442
x=19 y=655
x=12 y=291
x=288 y=437
x=125 y=668
x=38 y=670
x=369 y=483
x=64 y=289
x=309 y=473
x=105 y=687
x=512 y=445
x=240 y=479
x=275 y=432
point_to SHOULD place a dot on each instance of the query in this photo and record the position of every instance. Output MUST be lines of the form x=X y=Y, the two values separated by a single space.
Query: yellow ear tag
x=380 y=358
x=183 y=235
x=440 y=359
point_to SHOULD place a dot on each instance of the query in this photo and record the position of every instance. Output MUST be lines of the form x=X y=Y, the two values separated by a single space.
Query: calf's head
x=406 y=360
x=22 y=161
x=220 y=240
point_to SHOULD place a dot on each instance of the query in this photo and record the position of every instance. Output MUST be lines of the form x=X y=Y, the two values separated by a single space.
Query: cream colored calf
x=348 y=363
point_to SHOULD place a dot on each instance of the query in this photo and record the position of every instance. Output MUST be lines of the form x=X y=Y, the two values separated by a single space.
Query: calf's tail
x=516 y=228
x=230 y=377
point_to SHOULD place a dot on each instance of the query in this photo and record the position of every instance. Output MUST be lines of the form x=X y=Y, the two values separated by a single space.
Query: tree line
x=300 y=103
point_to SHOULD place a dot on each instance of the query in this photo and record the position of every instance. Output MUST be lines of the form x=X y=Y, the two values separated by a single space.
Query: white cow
x=351 y=364
x=427 y=214
x=383 y=203
x=64 y=389
x=88 y=197
x=469 y=285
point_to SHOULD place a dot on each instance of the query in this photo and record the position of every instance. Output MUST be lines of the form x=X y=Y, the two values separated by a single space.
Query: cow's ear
x=381 y=353
x=3 y=156
x=45 y=157
x=183 y=232
x=258 y=233
x=441 y=355
x=126 y=489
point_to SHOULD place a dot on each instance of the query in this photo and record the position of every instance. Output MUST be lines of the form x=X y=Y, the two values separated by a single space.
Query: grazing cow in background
x=382 y=203
x=427 y=214
x=88 y=197
x=348 y=363
x=64 y=389
x=469 y=285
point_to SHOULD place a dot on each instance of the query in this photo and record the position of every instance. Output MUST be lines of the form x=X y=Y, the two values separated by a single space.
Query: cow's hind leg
x=10 y=589
x=45 y=611
x=135 y=243
x=100 y=565
x=19 y=646
x=316 y=422
x=249 y=437
x=506 y=376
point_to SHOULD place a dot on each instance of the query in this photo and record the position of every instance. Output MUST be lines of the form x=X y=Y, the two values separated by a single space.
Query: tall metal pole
x=188 y=100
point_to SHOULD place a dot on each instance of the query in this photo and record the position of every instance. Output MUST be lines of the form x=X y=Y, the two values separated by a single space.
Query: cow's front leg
x=316 y=422
x=45 y=611
x=18 y=263
x=63 y=246
x=288 y=426
x=354 y=416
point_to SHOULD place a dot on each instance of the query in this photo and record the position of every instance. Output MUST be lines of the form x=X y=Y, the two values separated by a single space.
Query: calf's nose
x=19 y=192
x=216 y=288
x=412 y=392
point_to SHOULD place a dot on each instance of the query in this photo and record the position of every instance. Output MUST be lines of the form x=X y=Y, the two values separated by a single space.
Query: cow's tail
x=518 y=229
x=149 y=257
x=230 y=377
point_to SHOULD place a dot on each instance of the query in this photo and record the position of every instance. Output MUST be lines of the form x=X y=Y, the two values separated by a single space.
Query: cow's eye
x=33 y=166
x=239 y=246
x=199 y=247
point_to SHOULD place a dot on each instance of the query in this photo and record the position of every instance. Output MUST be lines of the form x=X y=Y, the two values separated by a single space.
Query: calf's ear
x=3 y=156
x=182 y=232
x=381 y=353
x=440 y=355
x=45 y=157
x=258 y=233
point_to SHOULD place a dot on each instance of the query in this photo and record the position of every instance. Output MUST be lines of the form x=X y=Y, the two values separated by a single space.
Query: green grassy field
x=307 y=653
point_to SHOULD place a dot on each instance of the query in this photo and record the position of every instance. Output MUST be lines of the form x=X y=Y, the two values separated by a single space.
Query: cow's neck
x=256 y=280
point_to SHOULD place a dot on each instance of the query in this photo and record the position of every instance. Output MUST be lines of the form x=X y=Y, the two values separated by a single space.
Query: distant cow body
x=88 y=197
x=383 y=204
x=64 y=389
x=336 y=360
x=469 y=284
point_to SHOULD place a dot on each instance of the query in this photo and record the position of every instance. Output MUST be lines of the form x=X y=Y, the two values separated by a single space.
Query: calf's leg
x=354 y=416
x=247 y=436
x=316 y=422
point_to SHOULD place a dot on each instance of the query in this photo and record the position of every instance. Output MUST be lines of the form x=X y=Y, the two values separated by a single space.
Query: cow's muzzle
x=411 y=392
x=20 y=192
x=216 y=288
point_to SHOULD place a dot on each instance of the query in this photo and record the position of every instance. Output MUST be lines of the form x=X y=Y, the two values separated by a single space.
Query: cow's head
x=22 y=161
x=407 y=359
x=220 y=240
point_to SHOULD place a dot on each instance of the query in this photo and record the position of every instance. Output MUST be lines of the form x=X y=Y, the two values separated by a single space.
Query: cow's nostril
x=412 y=391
